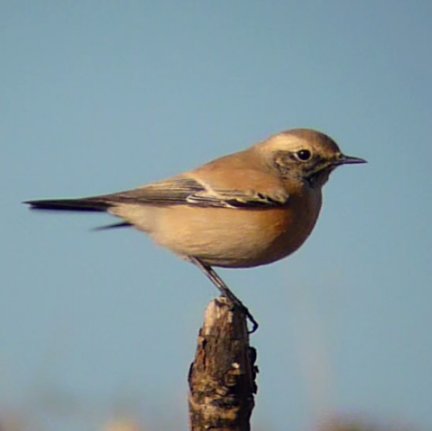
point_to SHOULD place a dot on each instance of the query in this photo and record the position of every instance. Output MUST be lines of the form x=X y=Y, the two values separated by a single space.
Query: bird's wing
x=181 y=190
x=185 y=190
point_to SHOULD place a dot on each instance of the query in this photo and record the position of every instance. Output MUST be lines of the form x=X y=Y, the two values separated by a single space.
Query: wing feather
x=175 y=191
x=188 y=191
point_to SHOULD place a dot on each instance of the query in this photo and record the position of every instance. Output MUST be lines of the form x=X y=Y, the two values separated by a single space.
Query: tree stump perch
x=222 y=376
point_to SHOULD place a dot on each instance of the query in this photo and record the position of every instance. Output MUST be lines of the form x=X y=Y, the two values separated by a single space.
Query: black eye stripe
x=315 y=166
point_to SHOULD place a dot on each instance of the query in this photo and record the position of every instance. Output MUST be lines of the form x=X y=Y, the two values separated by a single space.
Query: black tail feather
x=85 y=204
x=113 y=226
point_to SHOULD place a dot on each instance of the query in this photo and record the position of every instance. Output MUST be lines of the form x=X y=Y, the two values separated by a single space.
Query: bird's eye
x=303 y=155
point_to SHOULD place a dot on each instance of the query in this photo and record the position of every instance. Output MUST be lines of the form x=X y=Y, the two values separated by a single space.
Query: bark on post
x=222 y=376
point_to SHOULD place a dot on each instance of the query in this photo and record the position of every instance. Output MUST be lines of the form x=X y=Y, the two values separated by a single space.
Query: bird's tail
x=83 y=204
x=96 y=204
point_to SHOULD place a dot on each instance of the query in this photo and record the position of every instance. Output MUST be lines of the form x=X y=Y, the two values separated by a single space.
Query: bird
x=242 y=210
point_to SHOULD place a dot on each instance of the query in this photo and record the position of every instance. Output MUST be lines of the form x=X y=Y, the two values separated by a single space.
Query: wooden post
x=222 y=376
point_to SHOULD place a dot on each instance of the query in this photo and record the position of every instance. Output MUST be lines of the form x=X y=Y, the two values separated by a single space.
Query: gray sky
x=99 y=97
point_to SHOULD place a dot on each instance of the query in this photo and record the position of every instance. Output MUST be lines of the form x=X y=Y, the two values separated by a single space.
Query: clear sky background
x=99 y=97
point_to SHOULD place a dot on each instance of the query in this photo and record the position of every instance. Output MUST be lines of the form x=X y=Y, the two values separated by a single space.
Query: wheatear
x=246 y=209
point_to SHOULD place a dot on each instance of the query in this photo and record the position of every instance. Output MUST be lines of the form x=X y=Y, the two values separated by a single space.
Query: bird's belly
x=233 y=238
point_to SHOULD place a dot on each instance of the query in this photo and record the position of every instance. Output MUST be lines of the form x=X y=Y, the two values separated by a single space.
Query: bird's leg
x=224 y=289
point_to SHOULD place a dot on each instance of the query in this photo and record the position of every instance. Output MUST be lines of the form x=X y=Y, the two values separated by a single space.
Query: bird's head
x=304 y=154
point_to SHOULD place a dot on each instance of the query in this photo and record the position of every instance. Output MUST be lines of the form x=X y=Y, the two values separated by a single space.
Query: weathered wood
x=222 y=376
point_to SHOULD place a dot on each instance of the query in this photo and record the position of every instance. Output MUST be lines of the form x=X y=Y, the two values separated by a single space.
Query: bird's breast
x=236 y=238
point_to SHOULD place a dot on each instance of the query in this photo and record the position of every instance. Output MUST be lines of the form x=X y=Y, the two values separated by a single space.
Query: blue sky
x=99 y=97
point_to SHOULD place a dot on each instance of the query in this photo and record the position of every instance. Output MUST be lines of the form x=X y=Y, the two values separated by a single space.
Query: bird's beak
x=348 y=160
